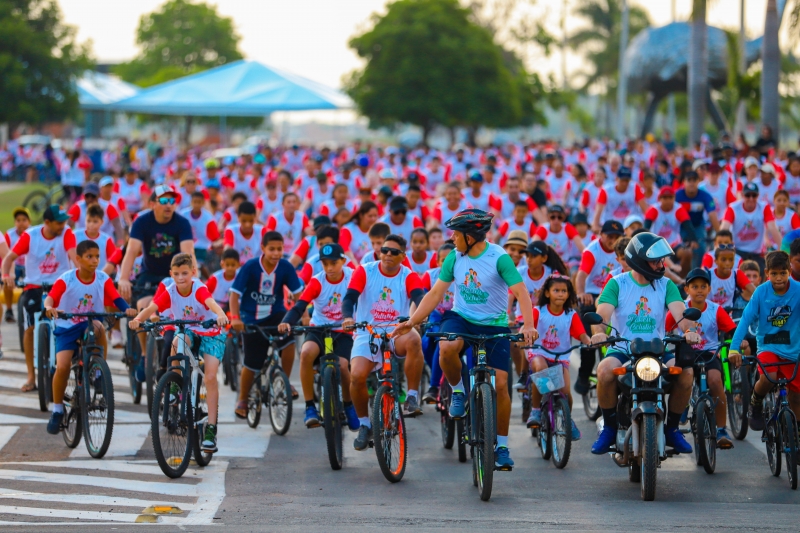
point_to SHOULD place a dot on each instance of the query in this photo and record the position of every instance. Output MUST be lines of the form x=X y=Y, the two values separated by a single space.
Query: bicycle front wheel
x=200 y=420
x=171 y=432
x=97 y=407
x=21 y=322
x=484 y=431
x=36 y=203
x=43 y=376
x=706 y=436
x=279 y=399
x=561 y=440
x=389 y=434
x=233 y=362
x=789 y=441
x=72 y=412
x=739 y=401
x=331 y=408
x=590 y=404
x=448 y=425
x=151 y=364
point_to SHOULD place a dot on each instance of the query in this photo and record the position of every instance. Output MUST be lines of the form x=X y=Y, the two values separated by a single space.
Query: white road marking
x=240 y=440
x=142 y=487
x=16 y=419
x=6 y=433
x=135 y=467
x=95 y=499
x=210 y=494
x=68 y=513
x=13 y=382
x=126 y=440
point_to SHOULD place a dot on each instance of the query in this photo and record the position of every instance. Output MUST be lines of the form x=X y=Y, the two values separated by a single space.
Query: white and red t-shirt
x=509 y=225
x=353 y=239
x=326 y=296
x=103 y=240
x=723 y=289
x=132 y=193
x=73 y=295
x=533 y=286
x=190 y=307
x=620 y=205
x=292 y=231
x=429 y=279
x=428 y=263
x=45 y=259
x=78 y=214
x=598 y=263
x=248 y=247
x=404 y=229
x=12 y=237
x=383 y=298
x=560 y=187
x=219 y=286
x=204 y=228
x=442 y=213
x=667 y=224
x=560 y=241
x=713 y=320
x=556 y=331
x=788 y=222
x=329 y=209
x=748 y=227
x=486 y=201
x=791 y=184
x=267 y=206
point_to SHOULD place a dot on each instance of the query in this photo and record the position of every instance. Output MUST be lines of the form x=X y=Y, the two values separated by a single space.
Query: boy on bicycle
x=325 y=292
x=775 y=308
x=82 y=290
x=189 y=299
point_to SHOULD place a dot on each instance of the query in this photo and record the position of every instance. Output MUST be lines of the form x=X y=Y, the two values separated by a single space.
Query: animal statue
x=657 y=63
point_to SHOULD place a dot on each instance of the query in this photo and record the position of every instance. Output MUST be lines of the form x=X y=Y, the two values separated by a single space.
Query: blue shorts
x=498 y=351
x=210 y=345
x=67 y=338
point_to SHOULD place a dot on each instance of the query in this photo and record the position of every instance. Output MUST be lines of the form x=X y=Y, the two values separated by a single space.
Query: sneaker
x=295 y=394
x=522 y=382
x=352 y=418
x=10 y=316
x=582 y=385
x=54 y=424
x=412 y=407
x=363 y=439
x=116 y=338
x=576 y=433
x=502 y=459
x=675 y=439
x=312 y=417
x=535 y=418
x=457 y=407
x=210 y=439
x=756 y=417
x=432 y=396
x=724 y=441
x=605 y=440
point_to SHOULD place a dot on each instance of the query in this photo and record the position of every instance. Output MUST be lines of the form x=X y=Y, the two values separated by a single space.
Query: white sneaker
x=116 y=338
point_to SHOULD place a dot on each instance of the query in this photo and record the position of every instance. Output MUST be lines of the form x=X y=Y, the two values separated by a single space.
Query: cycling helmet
x=645 y=247
x=471 y=222
x=363 y=161
x=211 y=163
x=259 y=159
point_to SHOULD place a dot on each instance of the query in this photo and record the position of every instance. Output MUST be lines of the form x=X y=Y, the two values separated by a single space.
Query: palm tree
x=771 y=70
x=698 y=71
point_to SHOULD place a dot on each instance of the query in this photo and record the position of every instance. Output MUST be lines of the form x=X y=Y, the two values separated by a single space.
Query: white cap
x=768 y=167
x=106 y=180
x=698 y=163
x=632 y=219
x=750 y=160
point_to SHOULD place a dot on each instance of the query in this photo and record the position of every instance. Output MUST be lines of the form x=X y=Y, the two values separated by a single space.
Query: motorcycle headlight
x=648 y=369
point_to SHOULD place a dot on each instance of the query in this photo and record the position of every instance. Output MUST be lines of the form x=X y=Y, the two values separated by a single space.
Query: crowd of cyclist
x=525 y=237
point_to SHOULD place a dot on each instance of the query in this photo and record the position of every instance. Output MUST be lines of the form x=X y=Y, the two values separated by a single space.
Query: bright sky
x=309 y=37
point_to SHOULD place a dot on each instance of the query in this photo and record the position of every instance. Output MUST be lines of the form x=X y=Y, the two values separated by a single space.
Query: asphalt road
x=263 y=482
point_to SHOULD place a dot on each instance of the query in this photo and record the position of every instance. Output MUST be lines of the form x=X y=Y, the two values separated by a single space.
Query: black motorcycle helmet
x=472 y=222
x=645 y=247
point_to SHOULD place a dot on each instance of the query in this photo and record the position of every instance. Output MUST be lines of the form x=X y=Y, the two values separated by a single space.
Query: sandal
x=28 y=387
x=295 y=394
x=241 y=409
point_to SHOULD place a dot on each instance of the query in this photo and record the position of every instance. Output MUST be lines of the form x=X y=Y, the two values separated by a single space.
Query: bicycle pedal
x=503 y=468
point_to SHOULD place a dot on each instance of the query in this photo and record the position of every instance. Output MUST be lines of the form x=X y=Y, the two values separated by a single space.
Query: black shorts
x=146 y=285
x=32 y=303
x=255 y=345
x=342 y=343
x=713 y=364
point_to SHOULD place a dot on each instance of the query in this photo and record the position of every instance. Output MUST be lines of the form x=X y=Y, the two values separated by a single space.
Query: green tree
x=428 y=63
x=39 y=62
x=180 y=38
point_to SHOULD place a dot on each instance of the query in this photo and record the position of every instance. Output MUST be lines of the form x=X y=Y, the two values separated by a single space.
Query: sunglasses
x=391 y=251
x=556 y=217
x=751 y=195
x=166 y=200
x=726 y=247
x=400 y=212
x=192 y=182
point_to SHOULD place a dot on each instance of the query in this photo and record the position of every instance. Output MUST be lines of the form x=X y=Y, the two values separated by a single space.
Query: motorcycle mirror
x=690 y=313
x=593 y=319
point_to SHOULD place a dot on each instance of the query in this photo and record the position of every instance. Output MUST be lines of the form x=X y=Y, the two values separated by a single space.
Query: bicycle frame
x=781 y=384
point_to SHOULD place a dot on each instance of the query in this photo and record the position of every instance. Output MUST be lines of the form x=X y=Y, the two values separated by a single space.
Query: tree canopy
x=39 y=62
x=428 y=63
x=180 y=38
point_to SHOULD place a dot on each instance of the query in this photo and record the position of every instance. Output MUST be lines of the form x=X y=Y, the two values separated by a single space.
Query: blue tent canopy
x=97 y=90
x=242 y=88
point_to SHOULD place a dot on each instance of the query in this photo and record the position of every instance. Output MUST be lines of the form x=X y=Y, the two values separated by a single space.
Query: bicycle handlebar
x=147 y=326
x=763 y=366
x=557 y=354
x=515 y=337
x=325 y=327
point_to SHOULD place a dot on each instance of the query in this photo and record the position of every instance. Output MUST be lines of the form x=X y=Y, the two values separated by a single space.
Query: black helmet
x=471 y=222
x=646 y=247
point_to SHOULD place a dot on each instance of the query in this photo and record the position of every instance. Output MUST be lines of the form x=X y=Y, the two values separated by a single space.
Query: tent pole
x=222 y=132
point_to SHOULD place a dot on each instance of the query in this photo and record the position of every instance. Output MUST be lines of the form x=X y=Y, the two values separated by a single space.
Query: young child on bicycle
x=558 y=321
x=774 y=308
x=82 y=290
x=189 y=299
x=714 y=321
x=325 y=292
x=725 y=279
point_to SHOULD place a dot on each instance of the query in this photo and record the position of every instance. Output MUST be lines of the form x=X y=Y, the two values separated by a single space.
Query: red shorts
x=783 y=371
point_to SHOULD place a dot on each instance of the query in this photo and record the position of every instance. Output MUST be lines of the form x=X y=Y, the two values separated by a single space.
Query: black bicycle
x=480 y=429
x=89 y=396
x=270 y=387
x=703 y=422
x=233 y=359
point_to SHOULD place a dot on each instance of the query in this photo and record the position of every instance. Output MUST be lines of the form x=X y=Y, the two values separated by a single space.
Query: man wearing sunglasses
x=400 y=223
x=748 y=220
x=560 y=235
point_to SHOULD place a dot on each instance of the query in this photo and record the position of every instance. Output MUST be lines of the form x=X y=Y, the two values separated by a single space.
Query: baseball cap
x=331 y=251
x=699 y=163
x=666 y=191
x=580 y=218
x=768 y=168
x=624 y=173
x=714 y=167
x=213 y=183
x=130 y=170
x=612 y=227
x=751 y=188
x=161 y=190
x=91 y=188
x=21 y=211
x=537 y=248
x=55 y=214
x=749 y=161
x=321 y=220
x=385 y=190
x=397 y=203
x=106 y=181
x=387 y=174
x=517 y=236
x=555 y=208
x=475 y=175
x=698 y=273
x=630 y=220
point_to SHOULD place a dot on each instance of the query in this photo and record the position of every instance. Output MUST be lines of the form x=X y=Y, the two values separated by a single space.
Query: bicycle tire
x=706 y=436
x=180 y=448
x=591 y=406
x=425 y=379
x=389 y=434
x=544 y=431
x=21 y=322
x=151 y=364
x=448 y=425
x=462 y=445
x=649 y=460
x=232 y=362
x=279 y=396
x=254 y=403
x=133 y=358
x=98 y=415
x=789 y=441
x=43 y=377
x=561 y=440
x=73 y=431
x=331 y=409
x=36 y=202
x=485 y=431
x=739 y=402
x=200 y=412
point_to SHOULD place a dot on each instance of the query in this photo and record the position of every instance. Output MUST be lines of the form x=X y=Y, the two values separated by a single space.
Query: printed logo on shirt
x=446 y=304
x=361 y=250
x=333 y=309
x=383 y=310
x=84 y=306
x=189 y=313
x=720 y=297
x=163 y=245
x=779 y=315
x=599 y=281
x=50 y=263
x=246 y=254
x=550 y=339
x=641 y=321
x=471 y=291
x=622 y=211
x=748 y=232
x=702 y=344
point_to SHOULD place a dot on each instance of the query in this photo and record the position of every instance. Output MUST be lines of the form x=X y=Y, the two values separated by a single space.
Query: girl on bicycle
x=555 y=317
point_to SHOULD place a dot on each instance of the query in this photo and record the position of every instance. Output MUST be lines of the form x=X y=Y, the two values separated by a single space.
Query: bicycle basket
x=549 y=380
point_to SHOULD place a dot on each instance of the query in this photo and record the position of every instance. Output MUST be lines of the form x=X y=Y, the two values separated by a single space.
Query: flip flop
x=295 y=394
x=28 y=387
x=241 y=409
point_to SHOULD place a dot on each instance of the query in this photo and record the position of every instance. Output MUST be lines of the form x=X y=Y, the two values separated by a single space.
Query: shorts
x=498 y=351
x=342 y=343
x=255 y=346
x=200 y=254
x=32 y=303
x=67 y=338
x=713 y=364
x=213 y=345
x=783 y=371
x=146 y=285
x=361 y=347
x=19 y=273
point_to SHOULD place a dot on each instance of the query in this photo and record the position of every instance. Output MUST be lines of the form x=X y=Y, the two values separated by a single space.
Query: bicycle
x=389 y=436
x=329 y=382
x=480 y=421
x=148 y=362
x=738 y=386
x=89 y=397
x=178 y=418
x=554 y=435
x=702 y=419
x=233 y=359
x=39 y=200
x=270 y=387
x=44 y=350
x=780 y=433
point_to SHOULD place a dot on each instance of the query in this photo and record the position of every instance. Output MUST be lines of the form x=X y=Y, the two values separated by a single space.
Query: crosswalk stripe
x=130 y=467
x=239 y=440
x=6 y=433
x=68 y=513
x=126 y=440
x=210 y=494
x=17 y=419
x=95 y=499
x=172 y=489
